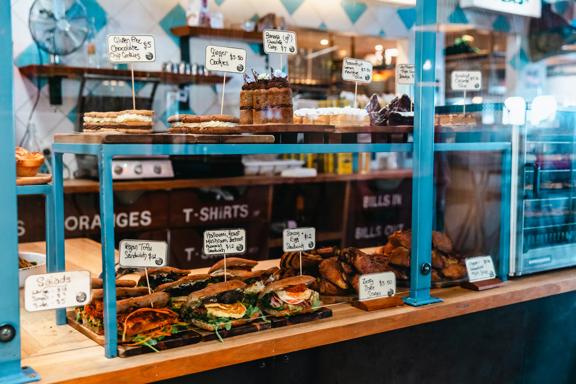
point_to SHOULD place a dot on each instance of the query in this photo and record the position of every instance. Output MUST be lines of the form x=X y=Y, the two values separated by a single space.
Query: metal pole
x=423 y=180
x=59 y=256
x=10 y=355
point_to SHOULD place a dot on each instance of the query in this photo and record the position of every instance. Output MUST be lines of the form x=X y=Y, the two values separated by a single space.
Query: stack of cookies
x=129 y=121
x=266 y=99
x=202 y=124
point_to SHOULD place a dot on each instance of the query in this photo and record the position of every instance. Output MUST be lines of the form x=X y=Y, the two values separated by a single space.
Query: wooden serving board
x=329 y=299
x=255 y=326
x=183 y=338
x=322 y=313
x=161 y=138
x=41 y=178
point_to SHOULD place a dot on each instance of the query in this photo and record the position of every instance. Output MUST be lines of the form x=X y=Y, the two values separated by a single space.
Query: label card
x=466 y=80
x=480 y=268
x=298 y=239
x=376 y=285
x=358 y=71
x=143 y=253
x=225 y=59
x=283 y=42
x=225 y=242
x=131 y=48
x=405 y=74
x=56 y=290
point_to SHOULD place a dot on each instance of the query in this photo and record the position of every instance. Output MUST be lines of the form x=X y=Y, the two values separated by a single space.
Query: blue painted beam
x=10 y=356
x=423 y=156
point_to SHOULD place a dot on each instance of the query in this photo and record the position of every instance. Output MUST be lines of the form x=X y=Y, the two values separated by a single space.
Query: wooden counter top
x=60 y=354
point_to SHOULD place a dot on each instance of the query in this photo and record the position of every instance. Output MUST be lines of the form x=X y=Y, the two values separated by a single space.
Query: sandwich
x=99 y=283
x=233 y=265
x=202 y=123
x=180 y=289
x=129 y=121
x=256 y=281
x=159 y=276
x=91 y=315
x=290 y=296
x=218 y=306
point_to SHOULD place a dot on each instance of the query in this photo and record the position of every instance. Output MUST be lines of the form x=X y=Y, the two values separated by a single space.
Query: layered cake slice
x=129 y=121
x=202 y=123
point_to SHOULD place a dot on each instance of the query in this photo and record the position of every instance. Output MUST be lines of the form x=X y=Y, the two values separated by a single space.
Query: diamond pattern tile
x=354 y=9
x=291 y=5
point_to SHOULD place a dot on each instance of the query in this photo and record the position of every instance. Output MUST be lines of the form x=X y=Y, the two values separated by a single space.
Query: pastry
x=442 y=242
x=129 y=121
x=330 y=270
x=247 y=100
x=271 y=99
x=28 y=163
x=202 y=123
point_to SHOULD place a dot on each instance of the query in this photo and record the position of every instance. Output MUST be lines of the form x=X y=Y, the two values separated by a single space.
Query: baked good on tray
x=201 y=123
x=28 y=163
x=128 y=121
x=339 y=117
x=266 y=98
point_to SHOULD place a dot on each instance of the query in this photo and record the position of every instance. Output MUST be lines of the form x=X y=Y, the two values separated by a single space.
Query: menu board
x=225 y=59
x=405 y=74
x=298 y=239
x=466 y=80
x=225 y=242
x=376 y=285
x=355 y=70
x=283 y=42
x=56 y=290
x=143 y=253
x=131 y=48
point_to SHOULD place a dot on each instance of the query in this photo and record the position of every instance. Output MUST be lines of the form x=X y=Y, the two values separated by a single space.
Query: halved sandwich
x=289 y=296
x=98 y=283
x=219 y=306
x=256 y=281
x=180 y=289
x=233 y=264
x=159 y=276
x=91 y=315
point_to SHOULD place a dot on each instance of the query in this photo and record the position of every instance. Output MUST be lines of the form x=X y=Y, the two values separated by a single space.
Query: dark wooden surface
x=483 y=285
x=217 y=33
x=161 y=138
x=71 y=72
x=322 y=313
x=255 y=326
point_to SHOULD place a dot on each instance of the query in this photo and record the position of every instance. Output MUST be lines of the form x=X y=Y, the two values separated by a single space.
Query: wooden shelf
x=91 y=186
x=217 y=33
x=78 y=73
x=46 y=347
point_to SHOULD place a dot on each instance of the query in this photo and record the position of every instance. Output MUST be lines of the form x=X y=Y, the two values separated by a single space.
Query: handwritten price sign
x=225 y=59
x=131 y=48
x=283 y=42
x=466 y=80
x=480 y=268
x=143 y=253
x=358 y=71
x=56 y=290
x=376 y=285
x=405 y=74
x=225 y=242
x=299 y=239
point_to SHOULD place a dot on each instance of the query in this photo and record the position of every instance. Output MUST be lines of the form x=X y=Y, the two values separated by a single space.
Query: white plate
x=37 y=269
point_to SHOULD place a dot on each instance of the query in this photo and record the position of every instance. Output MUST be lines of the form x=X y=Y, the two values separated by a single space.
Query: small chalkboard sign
x=57 y=290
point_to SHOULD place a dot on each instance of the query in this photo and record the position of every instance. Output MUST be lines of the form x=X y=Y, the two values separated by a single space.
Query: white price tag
x=376 y=285
x=56 y=290
x=143 y=253
x=224 y=242
x=480 y=268
x=358 y=71
x=299 y=239
x=405 y=74
x=466 y=80
x=131 y=48
x=283 y=42
x=225 y=59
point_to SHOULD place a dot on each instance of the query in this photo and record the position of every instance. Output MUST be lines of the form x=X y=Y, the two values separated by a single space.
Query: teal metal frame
x=423 y=150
